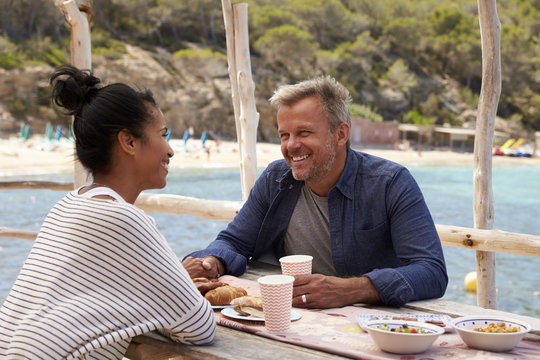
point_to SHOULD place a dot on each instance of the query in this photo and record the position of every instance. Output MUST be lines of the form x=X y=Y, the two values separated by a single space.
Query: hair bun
x=73 y=87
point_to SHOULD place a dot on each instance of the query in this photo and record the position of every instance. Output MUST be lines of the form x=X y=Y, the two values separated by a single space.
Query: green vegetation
x=414 y=117
x=199 y=54
x=396 y=56
x=365 y=111
x=8 y=56
x=17 y=107
x=103 y=44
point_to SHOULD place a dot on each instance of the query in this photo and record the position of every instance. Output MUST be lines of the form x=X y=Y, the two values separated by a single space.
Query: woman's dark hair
x=100 y=113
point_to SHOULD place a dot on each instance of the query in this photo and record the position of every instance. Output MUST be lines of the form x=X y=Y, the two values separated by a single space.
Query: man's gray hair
x=335 y=98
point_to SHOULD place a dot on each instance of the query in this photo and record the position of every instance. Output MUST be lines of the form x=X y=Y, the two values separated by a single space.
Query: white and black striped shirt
x=99 y=273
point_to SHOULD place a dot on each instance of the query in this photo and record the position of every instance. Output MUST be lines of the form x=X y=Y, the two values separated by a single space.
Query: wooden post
x=249 y=117
x=245 y=112
x=79 y=17
x=231 y=59
x=490 y=29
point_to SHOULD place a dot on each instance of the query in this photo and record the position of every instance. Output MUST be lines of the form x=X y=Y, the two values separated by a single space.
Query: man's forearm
x=361 y=290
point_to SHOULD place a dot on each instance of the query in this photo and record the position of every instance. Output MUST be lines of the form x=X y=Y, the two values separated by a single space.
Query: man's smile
x=299 y=158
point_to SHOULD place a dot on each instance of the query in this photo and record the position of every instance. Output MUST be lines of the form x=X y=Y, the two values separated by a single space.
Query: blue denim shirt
x=380 y=227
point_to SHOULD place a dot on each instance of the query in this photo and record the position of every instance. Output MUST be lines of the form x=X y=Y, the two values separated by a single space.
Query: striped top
x=99 y=273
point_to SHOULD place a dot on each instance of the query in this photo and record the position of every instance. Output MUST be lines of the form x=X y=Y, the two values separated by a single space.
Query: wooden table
x=235 y=344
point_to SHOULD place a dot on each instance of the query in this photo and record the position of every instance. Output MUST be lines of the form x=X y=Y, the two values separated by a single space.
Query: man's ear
x=342 y=132
x=126 y=140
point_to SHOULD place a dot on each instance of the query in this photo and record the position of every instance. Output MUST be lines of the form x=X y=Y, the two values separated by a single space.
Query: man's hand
x=209 y=267
x=324 y=292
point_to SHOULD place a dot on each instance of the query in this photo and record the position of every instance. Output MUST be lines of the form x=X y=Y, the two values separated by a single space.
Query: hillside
x=414 y=63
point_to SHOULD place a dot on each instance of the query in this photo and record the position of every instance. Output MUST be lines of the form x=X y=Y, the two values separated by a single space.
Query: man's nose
x=293 y=143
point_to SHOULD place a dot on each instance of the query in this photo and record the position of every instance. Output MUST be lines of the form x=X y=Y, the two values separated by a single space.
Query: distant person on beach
x=100 y=272
x=362 y=218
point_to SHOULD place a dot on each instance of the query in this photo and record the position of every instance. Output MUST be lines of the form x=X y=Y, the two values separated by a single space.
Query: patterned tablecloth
x=337 y=331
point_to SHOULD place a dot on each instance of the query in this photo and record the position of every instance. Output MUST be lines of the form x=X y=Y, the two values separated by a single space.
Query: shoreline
x=39 y=156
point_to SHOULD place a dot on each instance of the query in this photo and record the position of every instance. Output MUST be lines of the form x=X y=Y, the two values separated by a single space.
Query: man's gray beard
x=317 y=173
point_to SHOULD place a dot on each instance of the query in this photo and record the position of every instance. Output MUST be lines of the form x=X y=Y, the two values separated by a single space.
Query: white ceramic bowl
x=489 y=341
x=402 y=343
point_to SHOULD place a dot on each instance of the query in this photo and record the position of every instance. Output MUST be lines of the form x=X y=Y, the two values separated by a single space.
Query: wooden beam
x=17 y=234
x=228 y=19
x=176 y=204
x=490 y=29
x=36 y=185
x=489 y=240
x=249 y=117
x=460 y=237
x=79 y=16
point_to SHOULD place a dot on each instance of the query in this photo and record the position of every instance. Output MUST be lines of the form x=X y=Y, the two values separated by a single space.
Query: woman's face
x=153 y=158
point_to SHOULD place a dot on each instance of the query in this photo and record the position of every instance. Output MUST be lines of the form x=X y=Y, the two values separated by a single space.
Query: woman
x=100 y=272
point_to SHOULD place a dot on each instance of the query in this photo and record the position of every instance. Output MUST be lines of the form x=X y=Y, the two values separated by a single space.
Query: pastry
x=248 y=306
x=223 y=295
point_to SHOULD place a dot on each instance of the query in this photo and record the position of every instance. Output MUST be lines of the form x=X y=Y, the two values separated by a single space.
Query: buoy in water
x=470 y=281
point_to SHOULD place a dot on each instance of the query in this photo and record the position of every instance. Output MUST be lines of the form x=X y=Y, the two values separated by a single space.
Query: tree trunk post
x=245 y=114
x=490 y=29
x=249 y=117
x=79 y=17
x=231 y=60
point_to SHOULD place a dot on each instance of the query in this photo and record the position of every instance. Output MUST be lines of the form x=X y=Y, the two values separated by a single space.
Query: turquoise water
x=448 y=191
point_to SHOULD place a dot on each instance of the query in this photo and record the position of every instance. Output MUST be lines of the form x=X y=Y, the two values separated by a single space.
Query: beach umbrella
x=186 y=137
x=25 y=131
x=203 y=138
x=49 y=131
x=58 y=132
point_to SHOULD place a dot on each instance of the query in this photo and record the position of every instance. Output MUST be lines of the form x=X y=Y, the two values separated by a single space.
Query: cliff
x=190 y=91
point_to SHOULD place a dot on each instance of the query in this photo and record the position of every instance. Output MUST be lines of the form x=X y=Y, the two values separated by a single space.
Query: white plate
x=447 y=320
x=230 y=312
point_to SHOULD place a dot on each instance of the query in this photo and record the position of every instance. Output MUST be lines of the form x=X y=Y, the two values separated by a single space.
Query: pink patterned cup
x=276 y=293
x=296 y=264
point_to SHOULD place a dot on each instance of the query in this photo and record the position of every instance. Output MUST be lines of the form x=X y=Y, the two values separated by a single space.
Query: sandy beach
x=39 y=156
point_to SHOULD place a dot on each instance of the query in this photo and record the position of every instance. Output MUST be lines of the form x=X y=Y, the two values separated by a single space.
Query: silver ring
x=304 y=300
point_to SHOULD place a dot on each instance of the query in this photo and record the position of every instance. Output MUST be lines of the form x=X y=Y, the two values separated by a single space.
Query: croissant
x=206 y=287
x=223 y=295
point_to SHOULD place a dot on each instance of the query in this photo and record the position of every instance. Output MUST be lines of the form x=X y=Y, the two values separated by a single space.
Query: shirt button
x=290 y=187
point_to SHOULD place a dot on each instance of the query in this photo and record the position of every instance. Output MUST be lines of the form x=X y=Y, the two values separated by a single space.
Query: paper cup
x=296 y=264
x=276 y=293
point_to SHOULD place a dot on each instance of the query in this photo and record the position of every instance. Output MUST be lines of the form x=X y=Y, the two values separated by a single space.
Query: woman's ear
x=126 y=140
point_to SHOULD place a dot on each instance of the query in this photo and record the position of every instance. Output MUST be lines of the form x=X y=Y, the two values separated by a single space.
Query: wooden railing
x=455 y=236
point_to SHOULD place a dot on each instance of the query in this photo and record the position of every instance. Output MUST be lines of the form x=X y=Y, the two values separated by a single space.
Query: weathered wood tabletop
x=236 y=344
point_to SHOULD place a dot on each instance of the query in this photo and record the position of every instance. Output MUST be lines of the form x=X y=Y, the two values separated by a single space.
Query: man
x=362 y=218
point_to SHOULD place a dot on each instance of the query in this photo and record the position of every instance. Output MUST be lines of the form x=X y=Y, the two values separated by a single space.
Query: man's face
x=307 y=144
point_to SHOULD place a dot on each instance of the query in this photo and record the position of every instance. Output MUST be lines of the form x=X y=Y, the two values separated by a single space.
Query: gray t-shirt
x=308 y=232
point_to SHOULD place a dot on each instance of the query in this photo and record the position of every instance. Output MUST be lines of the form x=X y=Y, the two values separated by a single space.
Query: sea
x=448 y=191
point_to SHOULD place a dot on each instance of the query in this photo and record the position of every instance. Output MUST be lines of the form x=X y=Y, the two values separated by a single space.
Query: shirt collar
x=347 y=179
